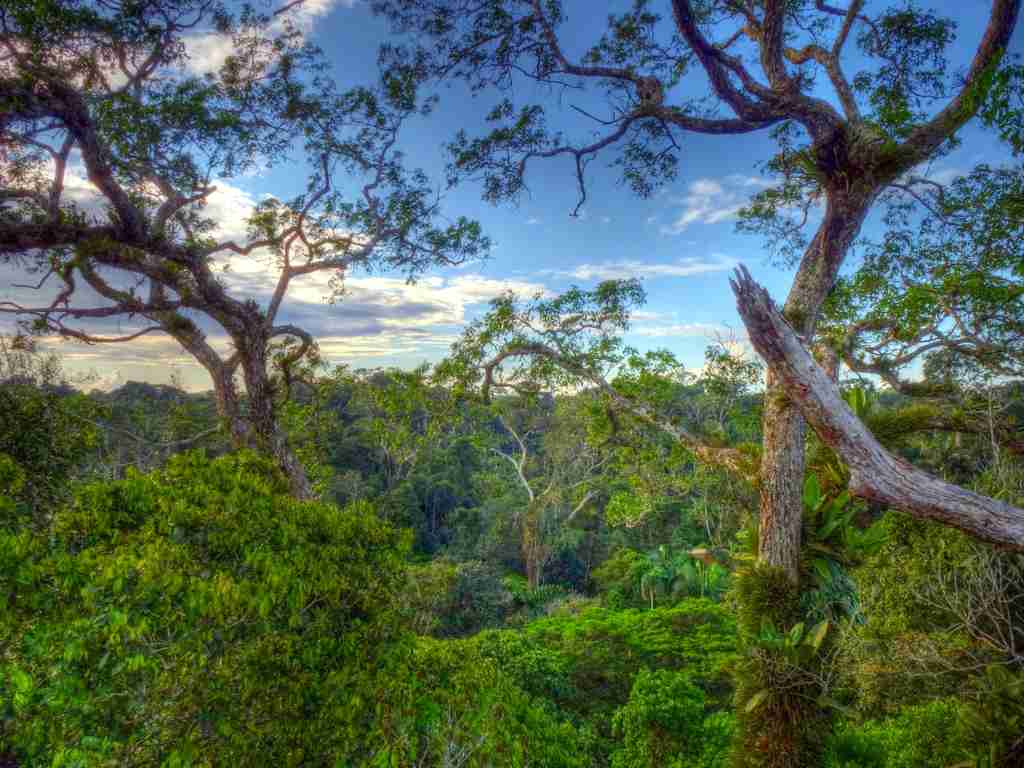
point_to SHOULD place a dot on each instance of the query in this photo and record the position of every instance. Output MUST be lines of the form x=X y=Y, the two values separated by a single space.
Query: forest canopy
x=555 y=544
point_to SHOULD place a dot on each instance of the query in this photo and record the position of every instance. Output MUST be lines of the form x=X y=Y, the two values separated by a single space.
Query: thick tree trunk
x=782 y=458
x=257 y=428
x=268 y=436
x=782 y=477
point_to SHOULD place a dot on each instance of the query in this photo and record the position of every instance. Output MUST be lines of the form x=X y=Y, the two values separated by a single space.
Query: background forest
x=531 y=583
x=551 y=547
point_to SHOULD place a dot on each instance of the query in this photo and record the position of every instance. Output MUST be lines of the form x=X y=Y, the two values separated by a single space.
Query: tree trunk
x=268 y=437
x=532 y=546
x=782 y=458
x=782 y=478
x=258 y=429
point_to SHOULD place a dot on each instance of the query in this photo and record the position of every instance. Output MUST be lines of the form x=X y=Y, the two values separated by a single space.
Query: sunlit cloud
x=207 y=51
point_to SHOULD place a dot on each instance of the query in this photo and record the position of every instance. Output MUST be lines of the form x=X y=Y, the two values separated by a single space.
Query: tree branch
x=875 y=473
x=926 y=138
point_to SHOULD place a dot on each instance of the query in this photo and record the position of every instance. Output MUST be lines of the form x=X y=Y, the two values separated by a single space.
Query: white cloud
x=533 y=220
x=708 y=330
x=622 y=270
x=711 y=201
x=207 y=51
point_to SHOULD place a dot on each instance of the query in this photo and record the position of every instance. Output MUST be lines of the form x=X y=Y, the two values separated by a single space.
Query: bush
x=925 y=734
x=599 y=652
x=197 y=616
x=663 y=725
x=618 y=578
x=468 y=706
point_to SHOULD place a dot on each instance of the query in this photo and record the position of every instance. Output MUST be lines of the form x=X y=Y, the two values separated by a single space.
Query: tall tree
x=105 y=88
x=764 y=63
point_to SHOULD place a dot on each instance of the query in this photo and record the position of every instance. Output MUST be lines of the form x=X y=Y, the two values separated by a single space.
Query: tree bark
x=268 y=436
x=875 y=474
x=782 y=458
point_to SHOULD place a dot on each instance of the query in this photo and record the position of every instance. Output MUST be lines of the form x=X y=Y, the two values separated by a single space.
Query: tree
x=47 y=430
x=901 y=109
x=105 y=86
x=947 y=282
x=558 y=469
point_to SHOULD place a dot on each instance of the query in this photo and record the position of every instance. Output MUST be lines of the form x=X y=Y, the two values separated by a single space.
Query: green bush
x=663 y=724
x=590 y=659
x=467 y=705
x=618 y=578
x=922 y=735
x=200 y=616
x=48 y=433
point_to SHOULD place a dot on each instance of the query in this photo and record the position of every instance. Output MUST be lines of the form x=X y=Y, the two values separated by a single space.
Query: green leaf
x=812 y=492
x=818 y=633
x=821 y=568
x=756 y=700
x=796 y=633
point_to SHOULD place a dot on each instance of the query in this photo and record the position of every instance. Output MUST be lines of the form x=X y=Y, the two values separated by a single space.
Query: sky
x=681 y=242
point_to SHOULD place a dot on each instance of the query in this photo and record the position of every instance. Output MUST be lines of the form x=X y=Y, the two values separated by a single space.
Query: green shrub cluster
x=665 y=723
x=200 y=616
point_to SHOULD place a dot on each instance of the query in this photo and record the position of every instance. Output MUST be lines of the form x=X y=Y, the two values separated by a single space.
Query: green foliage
x=447 y=599
x=200 y=613
x=782 y=712
x=764 y=594
x=663 y=724
x=467 y=706
x=604 y=649
x=619 y=577
x=992 y=722
x=926 y=734
x=46 y=428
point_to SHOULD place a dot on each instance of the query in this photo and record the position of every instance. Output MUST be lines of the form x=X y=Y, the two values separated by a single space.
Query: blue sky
x=681 y=242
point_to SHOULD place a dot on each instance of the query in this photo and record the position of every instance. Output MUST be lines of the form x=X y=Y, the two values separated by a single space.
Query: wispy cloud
x=633 y=268
x=711 y=201
x=706 y=330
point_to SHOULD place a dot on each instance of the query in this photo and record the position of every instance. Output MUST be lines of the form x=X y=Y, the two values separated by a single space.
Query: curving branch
x=717 y=65
x=875 y=473
x=927 y=137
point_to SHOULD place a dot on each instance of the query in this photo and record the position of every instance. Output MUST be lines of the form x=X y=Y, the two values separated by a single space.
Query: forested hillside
x=558 y=542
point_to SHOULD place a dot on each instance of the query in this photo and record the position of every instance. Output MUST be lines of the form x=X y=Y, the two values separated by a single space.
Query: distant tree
x=48 y=430
x=106 y=85
x=559 y=470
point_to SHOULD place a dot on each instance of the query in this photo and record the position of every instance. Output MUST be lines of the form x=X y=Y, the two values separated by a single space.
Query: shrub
x=661 y=723
x=925 y=734
x=599 y=652
x=197 y=616
x=469 y=708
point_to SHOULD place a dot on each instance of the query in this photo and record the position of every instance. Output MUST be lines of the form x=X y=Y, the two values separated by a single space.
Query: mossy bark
x=780 y=723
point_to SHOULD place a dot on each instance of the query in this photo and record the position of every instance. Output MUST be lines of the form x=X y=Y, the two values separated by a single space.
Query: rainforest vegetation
x=550 y=548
